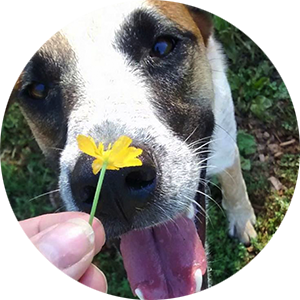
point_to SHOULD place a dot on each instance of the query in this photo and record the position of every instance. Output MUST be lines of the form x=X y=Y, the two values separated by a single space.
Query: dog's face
x=139 y=70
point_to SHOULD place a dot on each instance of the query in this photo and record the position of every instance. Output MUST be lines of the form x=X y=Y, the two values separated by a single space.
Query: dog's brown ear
x=202 y=20
x=7 y=39
x=204 y=24
x=193 y=4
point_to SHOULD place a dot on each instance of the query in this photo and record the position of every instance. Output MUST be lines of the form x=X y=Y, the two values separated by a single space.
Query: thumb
x=47 y=265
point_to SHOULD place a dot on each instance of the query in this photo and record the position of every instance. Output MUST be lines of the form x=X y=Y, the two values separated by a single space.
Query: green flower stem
x=97 y=193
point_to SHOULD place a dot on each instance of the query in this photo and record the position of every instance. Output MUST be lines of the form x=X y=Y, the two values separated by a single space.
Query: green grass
x=262 y=105
x=24 y=171
x=277 y=246
x=262 y=40
x=265 y=117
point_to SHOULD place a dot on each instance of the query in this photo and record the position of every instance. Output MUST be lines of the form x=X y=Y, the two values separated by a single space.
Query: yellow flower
x=120 y=155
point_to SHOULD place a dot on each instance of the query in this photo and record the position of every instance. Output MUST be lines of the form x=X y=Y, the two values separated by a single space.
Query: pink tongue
x=161 y=261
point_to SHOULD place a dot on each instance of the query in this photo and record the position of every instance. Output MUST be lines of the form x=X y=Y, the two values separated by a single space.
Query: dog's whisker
x=60 y=209
x=204 y=160
x=227 y=173
x=55 y=148
x=202 y=210
x=218 y=71
x=207 y=143
x=44 y=194
x=202 y=152
x=207 y=187
x=212 y=183
x=191 y=145
x=214 y=59
x=210 y=198
x=205 y=184
x=226 y=133
x=185 y=141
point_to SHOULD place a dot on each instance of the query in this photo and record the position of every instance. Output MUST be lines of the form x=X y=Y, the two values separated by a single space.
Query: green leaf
x=219 y=21
x=259 y=106
x=246 y=21
x=245 y=164
x=261 y=82
x=246 y=143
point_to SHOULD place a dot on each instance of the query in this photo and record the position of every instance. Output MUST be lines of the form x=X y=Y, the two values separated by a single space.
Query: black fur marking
x=53 y=66
x=170 y=78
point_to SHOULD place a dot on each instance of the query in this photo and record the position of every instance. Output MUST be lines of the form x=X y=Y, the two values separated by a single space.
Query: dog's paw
x=241 y=224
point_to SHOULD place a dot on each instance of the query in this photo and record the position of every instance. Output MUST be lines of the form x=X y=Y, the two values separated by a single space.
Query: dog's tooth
x=191 y=212
x=139 y=293
x=198 y=279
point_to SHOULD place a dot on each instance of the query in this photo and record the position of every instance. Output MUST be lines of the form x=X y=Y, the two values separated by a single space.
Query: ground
x=268 y=140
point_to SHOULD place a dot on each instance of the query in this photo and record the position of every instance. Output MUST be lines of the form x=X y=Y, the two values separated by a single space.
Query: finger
x=95 y=279
x=47 y=265
x=38 y=224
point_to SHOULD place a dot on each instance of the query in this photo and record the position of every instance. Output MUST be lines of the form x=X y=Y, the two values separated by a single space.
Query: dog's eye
x=37 y=91
x=163 y=46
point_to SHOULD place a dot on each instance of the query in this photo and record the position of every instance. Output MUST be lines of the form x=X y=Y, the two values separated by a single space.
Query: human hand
x=43 y=257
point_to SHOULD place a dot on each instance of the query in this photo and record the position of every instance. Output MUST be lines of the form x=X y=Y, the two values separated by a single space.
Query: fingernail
x=67 y=243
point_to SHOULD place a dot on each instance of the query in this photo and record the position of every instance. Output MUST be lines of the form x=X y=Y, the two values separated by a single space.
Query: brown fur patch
x=204 y=24
x=186 y=17
x=178 y=13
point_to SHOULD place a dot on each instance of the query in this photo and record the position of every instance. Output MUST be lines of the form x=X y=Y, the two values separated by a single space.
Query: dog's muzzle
x=124 y=193
x=163 y=261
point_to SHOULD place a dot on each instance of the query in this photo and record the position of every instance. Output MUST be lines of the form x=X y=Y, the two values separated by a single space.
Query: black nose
x=124 y=192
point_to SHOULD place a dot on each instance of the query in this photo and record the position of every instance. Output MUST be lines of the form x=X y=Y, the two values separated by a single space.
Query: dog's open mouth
x=168 y=262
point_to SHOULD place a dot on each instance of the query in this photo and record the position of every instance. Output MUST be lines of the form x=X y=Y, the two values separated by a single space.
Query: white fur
x=224 y=138
x=115 y=102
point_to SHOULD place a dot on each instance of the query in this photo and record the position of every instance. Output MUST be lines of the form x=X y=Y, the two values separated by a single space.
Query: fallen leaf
x=278 y=154
x=287 y=143
x=274 y=148
x=276 y=183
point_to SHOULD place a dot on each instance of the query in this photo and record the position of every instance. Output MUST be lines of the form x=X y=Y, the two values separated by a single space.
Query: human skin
x=43 y=257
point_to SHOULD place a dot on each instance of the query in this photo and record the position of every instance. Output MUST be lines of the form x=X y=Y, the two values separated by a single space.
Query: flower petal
x=132 y=162
x=120 y=144
x=120 y=155
x=97 y=165
x=127 y=158
x=100 y=149
x=87 y=145
x=111 y=167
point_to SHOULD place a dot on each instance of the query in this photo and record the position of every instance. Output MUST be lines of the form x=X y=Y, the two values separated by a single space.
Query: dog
x=153 y=71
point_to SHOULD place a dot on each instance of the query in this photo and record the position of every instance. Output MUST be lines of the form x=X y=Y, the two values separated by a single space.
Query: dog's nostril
x=124 y=193
x=88 y=193
x=141 y=179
